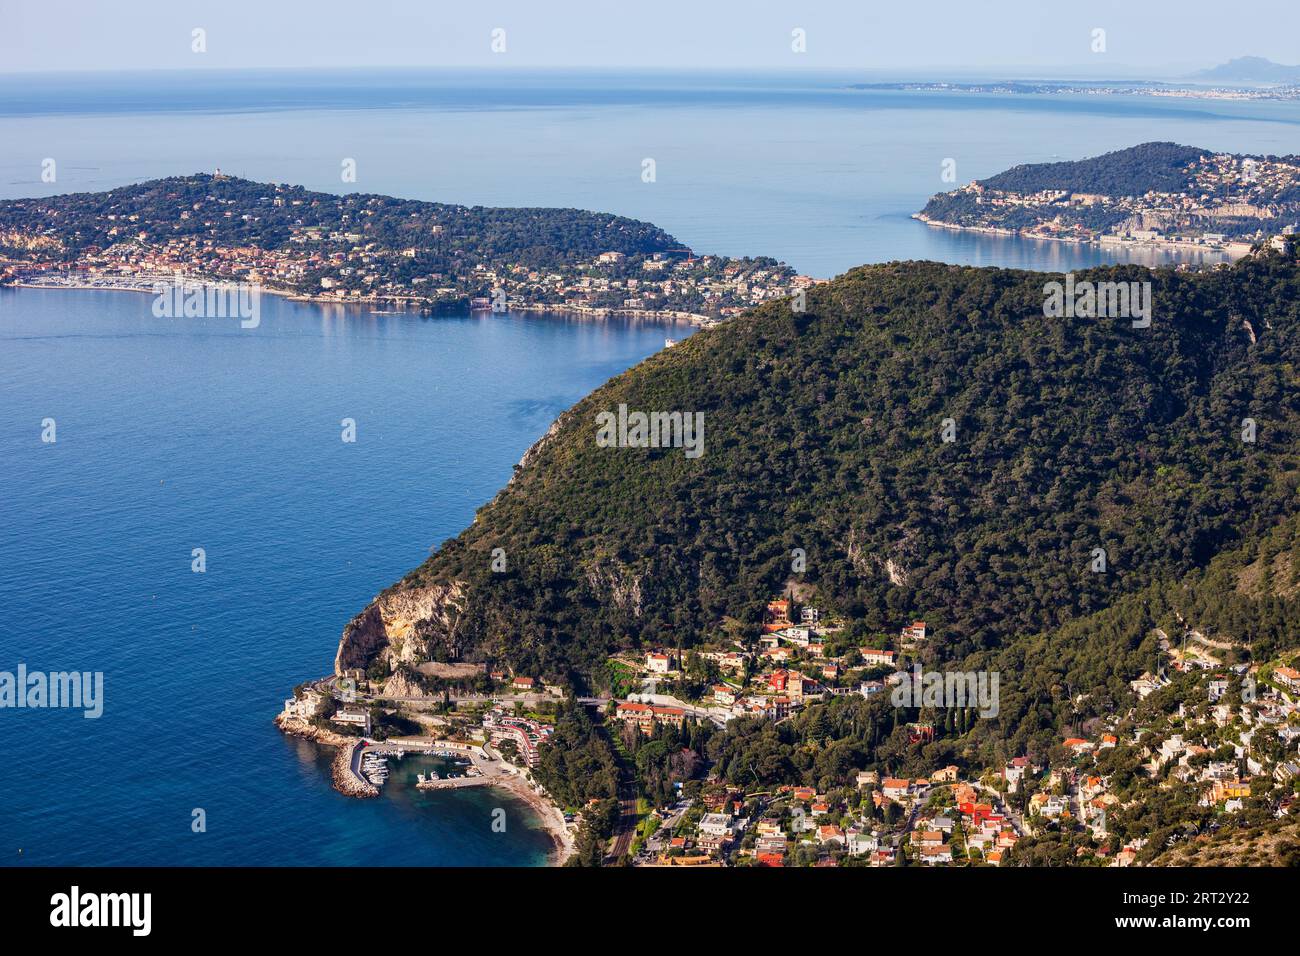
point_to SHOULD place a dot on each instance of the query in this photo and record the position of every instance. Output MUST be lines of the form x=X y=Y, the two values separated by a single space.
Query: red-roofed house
x=830 y=834
x=896 y=788
x=646 y=716
x=778 y=615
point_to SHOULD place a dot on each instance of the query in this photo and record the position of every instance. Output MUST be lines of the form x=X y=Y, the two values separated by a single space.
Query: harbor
x=361 y=769
x=469 y=765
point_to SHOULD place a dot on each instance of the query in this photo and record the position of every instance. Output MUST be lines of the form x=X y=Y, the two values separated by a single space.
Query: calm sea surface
x=795 y=166
x=174 y=435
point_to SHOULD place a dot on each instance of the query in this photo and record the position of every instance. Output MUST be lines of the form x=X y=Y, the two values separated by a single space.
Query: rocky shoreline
x=345 y=781
x=296 y=727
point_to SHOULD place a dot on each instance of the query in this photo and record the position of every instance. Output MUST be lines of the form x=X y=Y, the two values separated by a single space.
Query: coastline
x=401 y=306
x=551 y=817
x=1112 y=242
x=511 y=780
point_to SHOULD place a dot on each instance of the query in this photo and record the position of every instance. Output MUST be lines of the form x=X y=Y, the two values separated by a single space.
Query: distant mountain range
x=1250 y=69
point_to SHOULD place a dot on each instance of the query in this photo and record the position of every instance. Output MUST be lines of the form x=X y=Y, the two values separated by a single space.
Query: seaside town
x=1226 y=204
x=1146 y=88
x=1223 y=737
x=371 y=250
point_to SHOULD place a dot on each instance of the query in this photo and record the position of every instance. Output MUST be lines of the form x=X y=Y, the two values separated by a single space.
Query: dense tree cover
x=670 y=756
x=822 y=432
x=580 y=770
x=578 y=763
x=1248 y=597
x=598 y=822
x=267 y=215
x=1158 y=167
x=824 y=746
x=962 y=208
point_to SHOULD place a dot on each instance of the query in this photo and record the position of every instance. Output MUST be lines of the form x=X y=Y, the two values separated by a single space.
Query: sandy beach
x=551 y=816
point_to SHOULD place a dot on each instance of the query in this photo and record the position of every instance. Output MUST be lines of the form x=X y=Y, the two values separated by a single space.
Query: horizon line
x=1043 y=70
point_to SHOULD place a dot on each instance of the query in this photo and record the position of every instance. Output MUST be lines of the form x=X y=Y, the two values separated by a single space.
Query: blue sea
x=182 y=434
x=797 y=166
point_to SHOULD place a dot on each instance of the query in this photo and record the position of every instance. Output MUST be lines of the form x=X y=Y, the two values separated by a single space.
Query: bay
x=180 y=434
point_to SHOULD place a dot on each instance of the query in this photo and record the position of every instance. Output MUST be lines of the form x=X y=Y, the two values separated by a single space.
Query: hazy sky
x=1155 y=36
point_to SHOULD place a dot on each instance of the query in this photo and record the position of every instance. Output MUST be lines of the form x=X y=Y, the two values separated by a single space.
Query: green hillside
x=822 y=433
x=1162 y=167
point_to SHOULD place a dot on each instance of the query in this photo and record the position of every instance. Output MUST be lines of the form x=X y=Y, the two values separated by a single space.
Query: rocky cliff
x=404 y=624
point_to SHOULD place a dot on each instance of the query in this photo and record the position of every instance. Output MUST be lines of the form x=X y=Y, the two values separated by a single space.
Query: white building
x=716 y=824
x=356 y=716
x=303 y=708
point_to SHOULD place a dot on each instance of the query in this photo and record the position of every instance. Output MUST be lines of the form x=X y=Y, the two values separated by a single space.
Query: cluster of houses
x=1212 y=746
x=936 y=820
x=671 y=285
x=1228 y=195
x=337 y=260
x=788 y=668
x=945 y=819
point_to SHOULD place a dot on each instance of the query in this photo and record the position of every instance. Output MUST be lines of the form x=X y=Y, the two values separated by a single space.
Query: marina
x=461 y=764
